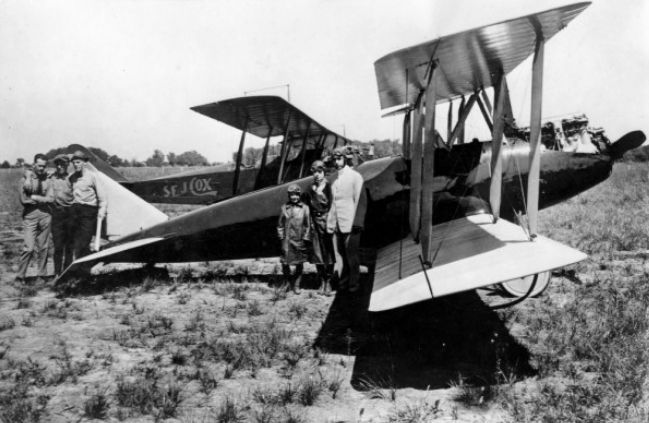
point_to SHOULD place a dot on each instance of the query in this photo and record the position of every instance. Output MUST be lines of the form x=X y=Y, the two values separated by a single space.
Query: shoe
x=296 y=285
x=19 y=279
x=325 y=287
x=285 y=286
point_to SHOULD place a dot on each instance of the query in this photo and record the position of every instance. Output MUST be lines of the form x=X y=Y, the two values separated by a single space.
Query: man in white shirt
x=346 y=190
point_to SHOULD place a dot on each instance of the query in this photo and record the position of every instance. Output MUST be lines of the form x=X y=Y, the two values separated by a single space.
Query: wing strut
x=449 y=122
x=485 y=113
x=465 y=109
x=460 y=111
x=284 y=150
x=535 y=133
x=303 y=155
x=237 y=169
x=495 y=187
x=264 y=158
x=428 y=169
x=485 y=99
x=406 y=135
x=415 y=170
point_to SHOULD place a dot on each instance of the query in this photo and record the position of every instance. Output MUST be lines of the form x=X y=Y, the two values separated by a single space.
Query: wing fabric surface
x=467 y=61
x=471 y=252
x=266 y=116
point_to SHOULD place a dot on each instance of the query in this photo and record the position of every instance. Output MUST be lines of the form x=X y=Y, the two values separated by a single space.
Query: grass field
x=220 y=342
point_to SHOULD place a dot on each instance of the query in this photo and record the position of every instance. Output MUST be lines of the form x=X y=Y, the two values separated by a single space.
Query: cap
x=294 y=189
x=342 y=151
x=317 y=165
x=61 y=158
x=79 y=155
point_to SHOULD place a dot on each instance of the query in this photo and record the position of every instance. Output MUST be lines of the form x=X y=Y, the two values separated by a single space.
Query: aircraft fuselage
x=245 y=226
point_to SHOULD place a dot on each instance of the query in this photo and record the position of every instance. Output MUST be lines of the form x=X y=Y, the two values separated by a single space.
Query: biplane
x=303 y=140
x=439 y=218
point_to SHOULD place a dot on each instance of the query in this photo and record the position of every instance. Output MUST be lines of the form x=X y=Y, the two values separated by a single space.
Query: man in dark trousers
x=88 y=203
x=60 y=192
x=36 y=218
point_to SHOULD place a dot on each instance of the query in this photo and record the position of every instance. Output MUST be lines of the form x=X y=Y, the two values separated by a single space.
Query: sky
x=122 y=75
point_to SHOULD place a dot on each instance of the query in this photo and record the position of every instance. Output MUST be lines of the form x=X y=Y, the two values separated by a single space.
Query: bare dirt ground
x=220 y=341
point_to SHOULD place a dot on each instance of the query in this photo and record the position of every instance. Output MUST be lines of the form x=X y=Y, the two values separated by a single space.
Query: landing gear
x=521 y=286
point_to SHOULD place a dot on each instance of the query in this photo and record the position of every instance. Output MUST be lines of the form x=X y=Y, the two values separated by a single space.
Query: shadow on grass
x=424 y=346
x=153 y=276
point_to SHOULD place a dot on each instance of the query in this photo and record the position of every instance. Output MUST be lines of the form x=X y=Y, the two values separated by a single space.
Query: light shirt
x=87 y=190
x=60 y=190
x=346 y=192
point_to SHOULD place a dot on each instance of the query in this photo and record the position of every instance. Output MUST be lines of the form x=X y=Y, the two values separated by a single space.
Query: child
x=294 y=232
x=319 y=200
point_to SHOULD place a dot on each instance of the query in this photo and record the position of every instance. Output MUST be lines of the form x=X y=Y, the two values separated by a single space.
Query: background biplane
x=303 y=140
x=436 y=219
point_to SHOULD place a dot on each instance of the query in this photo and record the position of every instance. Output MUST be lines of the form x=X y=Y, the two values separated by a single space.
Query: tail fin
x=98 y=163
x=126 y=212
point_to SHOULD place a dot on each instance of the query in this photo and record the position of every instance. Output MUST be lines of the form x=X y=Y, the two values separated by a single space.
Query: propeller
x=633 y=139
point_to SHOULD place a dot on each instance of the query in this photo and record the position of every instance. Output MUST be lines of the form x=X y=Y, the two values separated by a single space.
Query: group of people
x=61 y=205
x=68 y=206
x=311 y=223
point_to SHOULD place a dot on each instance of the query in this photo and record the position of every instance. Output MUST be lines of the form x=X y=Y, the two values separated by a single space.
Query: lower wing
x=469 y=253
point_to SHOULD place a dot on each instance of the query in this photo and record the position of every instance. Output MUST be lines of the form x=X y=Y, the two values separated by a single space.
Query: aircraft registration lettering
x=196 y=186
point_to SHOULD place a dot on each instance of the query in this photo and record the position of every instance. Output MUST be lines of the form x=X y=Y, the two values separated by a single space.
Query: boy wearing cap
x=347 y=191
x=36 y=218
x=294 y=232
x=88 y=203
x=319 y=198
x=60 y=193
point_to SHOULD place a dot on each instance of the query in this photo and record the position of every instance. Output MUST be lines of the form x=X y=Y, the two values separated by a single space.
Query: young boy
x=294 y=232
x=319 y=198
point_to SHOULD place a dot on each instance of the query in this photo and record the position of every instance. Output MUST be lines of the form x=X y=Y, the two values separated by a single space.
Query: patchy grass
x=202 y=345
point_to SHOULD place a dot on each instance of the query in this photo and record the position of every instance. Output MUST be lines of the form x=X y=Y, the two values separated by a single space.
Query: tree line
x=251 y=155
x=157 y=159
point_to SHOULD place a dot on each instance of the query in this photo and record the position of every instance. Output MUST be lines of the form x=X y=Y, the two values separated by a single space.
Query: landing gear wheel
x=519 y=287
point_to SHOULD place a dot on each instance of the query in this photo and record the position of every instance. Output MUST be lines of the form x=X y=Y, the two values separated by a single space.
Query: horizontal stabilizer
x=468 y=253
x=84 y=263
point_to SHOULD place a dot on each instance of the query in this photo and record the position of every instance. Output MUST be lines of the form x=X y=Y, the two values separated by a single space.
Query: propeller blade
x=633 y=139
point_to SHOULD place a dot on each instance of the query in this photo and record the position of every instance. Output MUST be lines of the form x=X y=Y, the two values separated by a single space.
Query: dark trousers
x=84 y=219
x=36 y=226
x=347 y=245
x=63 y=237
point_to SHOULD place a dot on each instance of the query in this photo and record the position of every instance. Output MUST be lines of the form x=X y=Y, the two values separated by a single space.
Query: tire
x=520 y=286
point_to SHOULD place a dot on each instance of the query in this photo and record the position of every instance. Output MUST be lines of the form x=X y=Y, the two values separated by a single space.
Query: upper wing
x=467 y=60
x=470 y=253
x=269 y=116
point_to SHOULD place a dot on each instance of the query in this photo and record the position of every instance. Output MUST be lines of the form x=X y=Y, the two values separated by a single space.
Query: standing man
x=60 y=192
x=88 y=203
x=36 y=218
x=347 y=190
